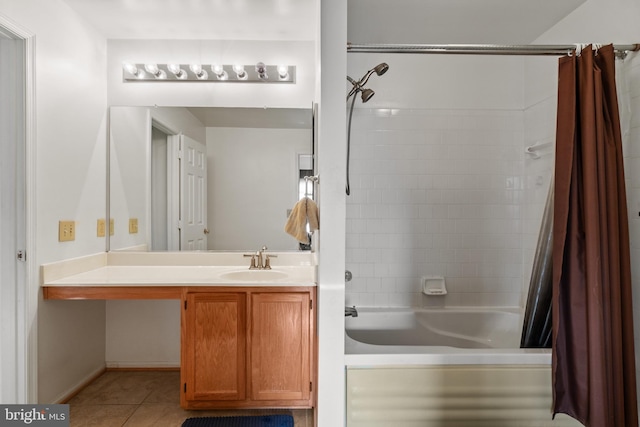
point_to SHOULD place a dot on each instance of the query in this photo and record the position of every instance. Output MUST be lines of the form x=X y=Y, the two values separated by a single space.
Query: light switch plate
x=66 y=231
x=102 y=227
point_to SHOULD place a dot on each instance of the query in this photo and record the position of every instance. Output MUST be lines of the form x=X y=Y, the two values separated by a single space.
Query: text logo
x=34 y=415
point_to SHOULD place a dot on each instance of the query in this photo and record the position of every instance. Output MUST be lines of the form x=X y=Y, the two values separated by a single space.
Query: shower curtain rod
x=480 y=49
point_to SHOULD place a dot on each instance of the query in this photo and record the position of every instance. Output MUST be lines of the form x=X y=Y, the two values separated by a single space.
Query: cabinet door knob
x=206 y=231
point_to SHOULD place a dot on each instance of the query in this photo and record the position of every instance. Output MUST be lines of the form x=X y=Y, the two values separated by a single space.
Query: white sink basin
x=254 y=275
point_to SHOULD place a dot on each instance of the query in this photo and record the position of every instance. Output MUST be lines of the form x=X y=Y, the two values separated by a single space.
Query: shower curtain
x=593 y=358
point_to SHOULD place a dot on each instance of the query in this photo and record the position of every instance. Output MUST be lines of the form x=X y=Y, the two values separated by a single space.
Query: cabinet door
x=215 y=353
x=280 y=346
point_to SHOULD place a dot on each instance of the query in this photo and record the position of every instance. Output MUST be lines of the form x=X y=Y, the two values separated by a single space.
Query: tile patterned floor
x=147 y=399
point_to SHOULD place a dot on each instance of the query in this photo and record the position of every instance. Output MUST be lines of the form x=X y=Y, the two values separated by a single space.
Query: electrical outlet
x=133 y=225
x=102 y=227
x=111 y=226
x=66 y=231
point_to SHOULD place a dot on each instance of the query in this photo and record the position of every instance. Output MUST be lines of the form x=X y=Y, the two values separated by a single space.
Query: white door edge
x=28 y=290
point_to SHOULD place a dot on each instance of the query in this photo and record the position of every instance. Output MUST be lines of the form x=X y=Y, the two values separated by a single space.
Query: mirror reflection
x=200 y=178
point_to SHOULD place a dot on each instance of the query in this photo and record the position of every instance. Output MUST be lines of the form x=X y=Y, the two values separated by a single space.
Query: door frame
x=28 y=284
x=173 y=142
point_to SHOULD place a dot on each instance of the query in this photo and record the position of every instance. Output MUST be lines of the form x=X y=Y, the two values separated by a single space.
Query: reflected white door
x=193 y=195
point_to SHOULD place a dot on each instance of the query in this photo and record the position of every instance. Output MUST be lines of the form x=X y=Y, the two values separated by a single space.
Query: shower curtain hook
x=596 y=47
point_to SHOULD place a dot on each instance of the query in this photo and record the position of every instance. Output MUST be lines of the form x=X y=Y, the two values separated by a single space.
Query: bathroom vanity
x=247 y=336
x=247 y=347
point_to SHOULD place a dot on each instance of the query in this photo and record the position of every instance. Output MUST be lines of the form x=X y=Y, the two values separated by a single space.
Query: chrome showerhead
x=358 y=86
x=382 y=68
x=367 y=94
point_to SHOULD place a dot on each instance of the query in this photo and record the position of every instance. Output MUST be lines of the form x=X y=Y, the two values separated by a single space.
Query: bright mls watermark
x=34 y=415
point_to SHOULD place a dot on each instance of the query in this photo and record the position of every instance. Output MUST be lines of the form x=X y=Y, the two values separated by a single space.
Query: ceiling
x=281 y=20
x=369 y=21
x=454 y=21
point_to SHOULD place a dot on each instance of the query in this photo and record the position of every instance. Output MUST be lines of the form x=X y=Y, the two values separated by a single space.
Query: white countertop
x=180 y=275
x=123 y=269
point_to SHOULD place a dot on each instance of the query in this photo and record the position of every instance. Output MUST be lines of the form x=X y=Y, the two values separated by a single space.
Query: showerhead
x=367 y=94
x=358 y=86
x=380 y=69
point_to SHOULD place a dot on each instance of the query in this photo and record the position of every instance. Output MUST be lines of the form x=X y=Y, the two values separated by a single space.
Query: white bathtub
x=450 y=367
x=391 y=336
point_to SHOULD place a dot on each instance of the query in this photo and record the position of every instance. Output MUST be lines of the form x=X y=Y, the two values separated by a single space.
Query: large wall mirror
x=184 y=178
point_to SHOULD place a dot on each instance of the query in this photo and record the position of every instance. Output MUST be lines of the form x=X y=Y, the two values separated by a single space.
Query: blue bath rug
x=254 y=421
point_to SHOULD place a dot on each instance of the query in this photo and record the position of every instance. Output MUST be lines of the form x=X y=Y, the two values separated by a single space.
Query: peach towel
x=305 y=211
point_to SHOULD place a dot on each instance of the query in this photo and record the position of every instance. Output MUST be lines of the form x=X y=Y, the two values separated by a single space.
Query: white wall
x=252 y=182
x=193 y=94
x=332 y=59
x=71 y=113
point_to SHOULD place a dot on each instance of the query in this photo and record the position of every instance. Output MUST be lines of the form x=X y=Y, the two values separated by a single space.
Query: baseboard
x=148 y=366
x=143 y=369
x=66 y=397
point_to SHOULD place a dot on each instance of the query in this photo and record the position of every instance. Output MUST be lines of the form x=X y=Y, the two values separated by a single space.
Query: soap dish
x=433 y=285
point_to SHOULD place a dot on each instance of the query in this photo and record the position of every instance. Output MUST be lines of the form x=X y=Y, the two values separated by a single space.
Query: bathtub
x=448 y=367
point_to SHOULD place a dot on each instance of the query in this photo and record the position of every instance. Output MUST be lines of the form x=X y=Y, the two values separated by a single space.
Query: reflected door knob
x=206 y=231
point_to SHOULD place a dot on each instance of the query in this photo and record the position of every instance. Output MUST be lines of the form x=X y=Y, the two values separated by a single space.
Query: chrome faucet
x=260 y=260
x=351 y=311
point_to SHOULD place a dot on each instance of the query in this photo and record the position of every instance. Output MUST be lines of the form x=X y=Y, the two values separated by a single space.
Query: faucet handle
x=267 y=261
x=253 y=265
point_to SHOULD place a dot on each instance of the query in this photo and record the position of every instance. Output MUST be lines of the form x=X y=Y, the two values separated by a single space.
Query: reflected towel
x=305 y=211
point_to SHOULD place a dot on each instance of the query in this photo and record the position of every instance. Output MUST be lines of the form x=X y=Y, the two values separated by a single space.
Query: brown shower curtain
x=594 y=377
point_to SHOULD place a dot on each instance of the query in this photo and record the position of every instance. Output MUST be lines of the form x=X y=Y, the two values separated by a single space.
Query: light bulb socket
x=132 y=69
x=241 y=74
x=152 y=69
x=177 y=71
x=283 y=72
x=219 y=71
x=261 y=69
x=199 y=72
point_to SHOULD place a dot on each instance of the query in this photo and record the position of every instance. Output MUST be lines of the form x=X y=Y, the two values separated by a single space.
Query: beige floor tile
x=165 y=388
x=148 y=398
x=100 y=415
x=158 y=415
x=120 y=387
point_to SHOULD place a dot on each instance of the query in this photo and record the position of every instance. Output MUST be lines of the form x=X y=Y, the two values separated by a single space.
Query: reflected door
x=193 y=195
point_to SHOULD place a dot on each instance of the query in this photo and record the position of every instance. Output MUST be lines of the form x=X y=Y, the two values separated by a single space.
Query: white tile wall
x=436 y=192
x=540 y=128
x=451 y=193
x=631 y=147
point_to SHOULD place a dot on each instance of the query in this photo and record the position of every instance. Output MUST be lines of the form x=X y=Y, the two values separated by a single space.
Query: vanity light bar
x=255 y=73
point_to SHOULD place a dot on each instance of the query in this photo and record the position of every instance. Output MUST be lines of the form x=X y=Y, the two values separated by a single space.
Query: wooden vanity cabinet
x=248 y=347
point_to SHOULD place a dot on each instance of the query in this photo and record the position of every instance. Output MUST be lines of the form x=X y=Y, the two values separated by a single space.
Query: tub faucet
x=351 y=311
